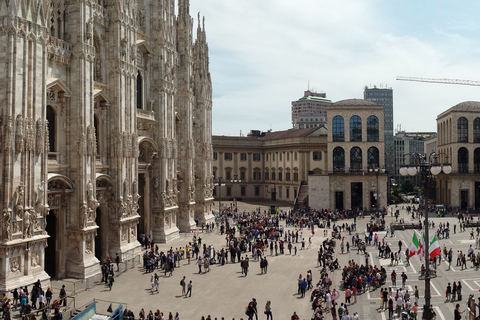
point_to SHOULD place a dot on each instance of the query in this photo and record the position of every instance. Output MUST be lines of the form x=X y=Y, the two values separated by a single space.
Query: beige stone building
x=106 y=132
x=458 y=143
x=267 y=166
x=355 y=158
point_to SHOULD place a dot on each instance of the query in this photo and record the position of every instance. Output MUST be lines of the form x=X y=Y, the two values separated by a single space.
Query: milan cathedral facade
x=105 y=132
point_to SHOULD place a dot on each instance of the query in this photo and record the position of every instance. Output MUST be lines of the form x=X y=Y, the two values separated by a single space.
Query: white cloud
x=263 y=53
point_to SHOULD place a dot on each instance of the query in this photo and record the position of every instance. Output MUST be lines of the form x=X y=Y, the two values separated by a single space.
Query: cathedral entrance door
x=51 y=249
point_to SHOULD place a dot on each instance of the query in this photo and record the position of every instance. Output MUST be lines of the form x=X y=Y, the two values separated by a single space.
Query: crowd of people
x=252 y=237
x=37 y=303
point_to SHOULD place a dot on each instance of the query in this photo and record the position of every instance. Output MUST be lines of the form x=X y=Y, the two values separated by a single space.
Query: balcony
x=59 y=50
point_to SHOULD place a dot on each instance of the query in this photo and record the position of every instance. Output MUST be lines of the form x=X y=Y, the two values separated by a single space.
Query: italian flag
x=421 y=249
x=413 y=246
x=434 y=249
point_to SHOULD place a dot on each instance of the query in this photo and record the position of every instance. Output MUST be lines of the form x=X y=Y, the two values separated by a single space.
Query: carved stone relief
x=19 y=135
x=9 y=135
x=7 y=221
x=14 y=264
x=40 y=138
x=35 y=259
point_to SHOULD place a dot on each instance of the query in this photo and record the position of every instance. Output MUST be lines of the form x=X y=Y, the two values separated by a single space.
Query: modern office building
x=407 y=143
x=106 y=132
x=458 y=143
x=310 y=111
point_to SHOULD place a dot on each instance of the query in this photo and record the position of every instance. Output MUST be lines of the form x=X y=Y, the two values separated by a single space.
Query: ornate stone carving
x=35 y=259
x=29 y=135
x=27 y=223
x=47 y=141
x=84 y=215
x=19 y=135
x=88 y=246
x=7 y=221
x=35 y=221
x=88 y=29
x=9 y=135
x=132 y=232
x=82 y=143
x=156 y=191
x=89 y=141
x=124 y=232
x=52 y=95
x=19 y=200
x=40 y=198
x=14 y=265
x=40 y=138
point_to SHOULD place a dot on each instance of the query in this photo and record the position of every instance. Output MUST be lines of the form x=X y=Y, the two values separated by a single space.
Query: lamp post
x=375 y=169
x=427 y=169
x=235 y=180
x=219 y=184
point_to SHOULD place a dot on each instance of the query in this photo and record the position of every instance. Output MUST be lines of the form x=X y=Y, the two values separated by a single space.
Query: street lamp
x=375 y=169
x=235 y=180
x=427 y=169
x=219 y=184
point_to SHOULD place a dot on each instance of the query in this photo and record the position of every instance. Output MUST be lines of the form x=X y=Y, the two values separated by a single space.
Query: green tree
x=408 y=186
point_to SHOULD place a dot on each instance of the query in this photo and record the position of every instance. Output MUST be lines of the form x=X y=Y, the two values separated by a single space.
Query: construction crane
x=444 y=81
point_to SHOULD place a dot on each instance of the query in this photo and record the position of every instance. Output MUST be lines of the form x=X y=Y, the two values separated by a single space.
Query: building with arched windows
x=458 y=143
x=106 y=132
x=356 y=162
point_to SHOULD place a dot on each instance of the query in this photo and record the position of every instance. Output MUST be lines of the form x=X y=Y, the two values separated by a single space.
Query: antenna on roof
x=308 y=85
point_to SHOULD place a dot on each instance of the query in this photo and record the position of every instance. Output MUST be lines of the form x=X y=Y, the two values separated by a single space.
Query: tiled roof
x=290 y=133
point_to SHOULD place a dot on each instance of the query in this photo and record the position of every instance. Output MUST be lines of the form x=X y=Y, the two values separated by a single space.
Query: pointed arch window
x=355 y=159
x=139 y=91
x=51 y=128
x=462 y=129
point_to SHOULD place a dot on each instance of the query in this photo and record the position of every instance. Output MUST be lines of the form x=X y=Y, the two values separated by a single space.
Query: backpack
x=182 y=283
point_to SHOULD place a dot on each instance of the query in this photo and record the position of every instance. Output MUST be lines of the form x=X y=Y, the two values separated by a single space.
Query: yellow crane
x=444 y=81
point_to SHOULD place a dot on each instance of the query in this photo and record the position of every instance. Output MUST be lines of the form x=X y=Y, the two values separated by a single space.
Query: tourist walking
x=189 y=289
x=268 y=310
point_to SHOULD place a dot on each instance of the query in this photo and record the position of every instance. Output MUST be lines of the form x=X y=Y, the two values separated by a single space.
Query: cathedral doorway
x=142 y=228
x=99 y=254
x=51 y=249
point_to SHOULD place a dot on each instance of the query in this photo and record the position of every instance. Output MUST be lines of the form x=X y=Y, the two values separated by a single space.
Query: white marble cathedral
x=105 y=132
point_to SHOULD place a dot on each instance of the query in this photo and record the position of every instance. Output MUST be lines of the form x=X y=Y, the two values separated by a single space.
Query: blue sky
x=263 y=54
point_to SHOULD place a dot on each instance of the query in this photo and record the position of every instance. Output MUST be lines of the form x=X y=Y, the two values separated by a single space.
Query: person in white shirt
x=399 y=304
x=345 y=316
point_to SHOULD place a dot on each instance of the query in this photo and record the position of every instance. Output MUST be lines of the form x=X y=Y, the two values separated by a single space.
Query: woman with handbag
x=268 y=310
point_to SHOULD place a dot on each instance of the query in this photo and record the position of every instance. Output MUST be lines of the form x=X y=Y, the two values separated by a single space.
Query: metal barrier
x=129 y=263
